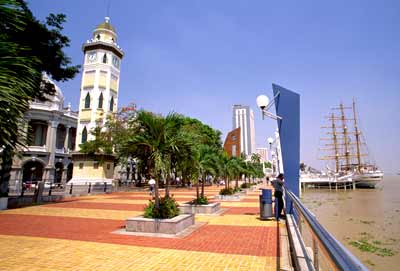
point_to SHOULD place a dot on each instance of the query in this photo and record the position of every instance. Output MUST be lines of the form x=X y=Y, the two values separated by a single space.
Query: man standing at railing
x=278 y=194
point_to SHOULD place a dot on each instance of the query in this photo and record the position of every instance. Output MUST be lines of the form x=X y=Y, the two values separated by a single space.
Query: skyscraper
x=243 y=117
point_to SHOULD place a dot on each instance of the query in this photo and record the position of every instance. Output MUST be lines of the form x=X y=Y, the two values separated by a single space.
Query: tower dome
x=105 y=32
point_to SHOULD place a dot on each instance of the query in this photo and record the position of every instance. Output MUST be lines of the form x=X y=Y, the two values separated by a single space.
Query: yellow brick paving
x=235 y=220
x=36 y=253
x=239 y=204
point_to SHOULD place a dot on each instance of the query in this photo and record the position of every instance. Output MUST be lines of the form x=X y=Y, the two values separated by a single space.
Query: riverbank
x=364 y=219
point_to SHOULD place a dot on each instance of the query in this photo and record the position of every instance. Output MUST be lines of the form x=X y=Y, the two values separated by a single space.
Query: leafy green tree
x=101 y=144
x=28 y=48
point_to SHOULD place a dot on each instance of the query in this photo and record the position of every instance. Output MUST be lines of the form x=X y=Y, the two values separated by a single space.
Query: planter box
x=210 y=208
x=168 y=226
x=235 y=197
x=3 y=203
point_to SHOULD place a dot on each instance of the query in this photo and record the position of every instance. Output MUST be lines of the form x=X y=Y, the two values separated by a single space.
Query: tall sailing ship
x=346 y=147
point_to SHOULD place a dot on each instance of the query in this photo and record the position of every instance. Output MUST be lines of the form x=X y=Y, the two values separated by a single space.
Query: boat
x=347 y=148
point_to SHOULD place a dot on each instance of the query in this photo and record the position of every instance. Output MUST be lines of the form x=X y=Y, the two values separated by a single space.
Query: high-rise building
x=263 y=153
x=100 y=80
x=243 y=117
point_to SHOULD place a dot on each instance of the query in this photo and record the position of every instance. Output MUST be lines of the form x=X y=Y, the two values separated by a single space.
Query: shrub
x=245 y=185
x=226 y=191
x=168 y=209
x=237 y=189
x=200 y=201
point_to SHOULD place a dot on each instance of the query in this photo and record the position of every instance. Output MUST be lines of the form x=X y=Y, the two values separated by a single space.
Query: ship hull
x=368 y=180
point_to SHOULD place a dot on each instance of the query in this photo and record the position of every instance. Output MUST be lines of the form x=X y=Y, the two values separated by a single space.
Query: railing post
x=90 y=186
x=300 y=227
x=315 y=251
x=70 y=189
x=105 y=187
x=50 y=190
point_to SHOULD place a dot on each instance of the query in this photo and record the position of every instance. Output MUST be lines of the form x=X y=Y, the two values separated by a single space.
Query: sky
x=200 y=57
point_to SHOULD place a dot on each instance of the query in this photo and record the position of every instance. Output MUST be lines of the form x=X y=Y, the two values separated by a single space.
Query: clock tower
x=100 y=80
x=98 y=99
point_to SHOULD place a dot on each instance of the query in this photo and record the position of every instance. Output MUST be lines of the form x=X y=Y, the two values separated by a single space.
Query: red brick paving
x=242 y=210
x=243 y=240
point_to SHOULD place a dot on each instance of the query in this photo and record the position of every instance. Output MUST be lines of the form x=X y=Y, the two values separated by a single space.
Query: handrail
x=341 y=258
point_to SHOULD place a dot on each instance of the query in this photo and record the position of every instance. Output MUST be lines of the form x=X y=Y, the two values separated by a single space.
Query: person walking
x=278 y=194
x=152 y=183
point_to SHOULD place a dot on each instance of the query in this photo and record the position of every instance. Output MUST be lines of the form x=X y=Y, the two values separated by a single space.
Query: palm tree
x=155 y=138
x=207 y=164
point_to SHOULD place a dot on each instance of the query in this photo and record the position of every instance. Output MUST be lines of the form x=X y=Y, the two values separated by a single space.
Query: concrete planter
x=235 y=197
x=167 y=226
x=210 y=208
x=3 y=203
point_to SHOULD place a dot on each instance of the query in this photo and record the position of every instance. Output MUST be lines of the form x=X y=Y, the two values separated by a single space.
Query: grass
x=372 y=247
x=367 y=222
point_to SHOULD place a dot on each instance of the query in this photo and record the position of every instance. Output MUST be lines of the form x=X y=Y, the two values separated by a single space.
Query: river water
x=367 y=217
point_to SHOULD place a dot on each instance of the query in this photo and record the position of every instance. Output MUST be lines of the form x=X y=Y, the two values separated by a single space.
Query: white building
x=51 y=131
x=263 y=152
x=243 y=117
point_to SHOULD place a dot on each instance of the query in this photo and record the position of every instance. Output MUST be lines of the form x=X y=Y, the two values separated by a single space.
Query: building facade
x=263 y=152
x=98 y=100
x=232 y=143
x=243 y=117
x=51 y=133
x=100 y=80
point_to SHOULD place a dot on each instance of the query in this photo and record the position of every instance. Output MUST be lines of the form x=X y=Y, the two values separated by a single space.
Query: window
x=105 y=58
x=112 y=104
x=233 y=150
x=80 y=165
x=96 y=165
x=84 y=135
x=108 y=166
x=38 y=133
x=233 y=137
x=87 y=101
x=98 y=36
x=101 y=101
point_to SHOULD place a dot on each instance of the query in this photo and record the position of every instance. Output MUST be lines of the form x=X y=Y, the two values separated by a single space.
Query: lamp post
x=133 y=164
x=129 y=169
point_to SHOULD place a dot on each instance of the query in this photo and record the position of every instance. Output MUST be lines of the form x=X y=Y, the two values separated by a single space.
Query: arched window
x=84 y=135
x=87 y=101
x=105 y=58
x=98 y=36
x=101 y=101
x=112 y=104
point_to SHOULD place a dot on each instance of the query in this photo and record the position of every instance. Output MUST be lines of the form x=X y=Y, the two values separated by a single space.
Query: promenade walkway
x=76 y=234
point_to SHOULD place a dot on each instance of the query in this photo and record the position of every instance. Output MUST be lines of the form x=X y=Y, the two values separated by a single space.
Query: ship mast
x=335 y=146
x=345 y=138
x=357 y=134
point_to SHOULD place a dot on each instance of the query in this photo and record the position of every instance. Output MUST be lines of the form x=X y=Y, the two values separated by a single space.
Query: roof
x=106 y=25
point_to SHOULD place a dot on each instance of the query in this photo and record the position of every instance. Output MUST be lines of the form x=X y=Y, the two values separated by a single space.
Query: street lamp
x=270 y=140
x=265 y=104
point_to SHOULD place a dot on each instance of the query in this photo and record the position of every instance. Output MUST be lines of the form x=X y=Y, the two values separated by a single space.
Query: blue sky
x=201 y=57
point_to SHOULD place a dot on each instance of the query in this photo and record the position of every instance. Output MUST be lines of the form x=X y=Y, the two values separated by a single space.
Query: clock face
x=115 y=61
x=92 y=57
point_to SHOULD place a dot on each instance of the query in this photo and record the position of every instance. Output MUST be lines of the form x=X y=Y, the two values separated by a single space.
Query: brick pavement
x=77 y=235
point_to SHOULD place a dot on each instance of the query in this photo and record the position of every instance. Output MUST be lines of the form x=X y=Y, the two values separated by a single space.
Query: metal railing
x=337 y=256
